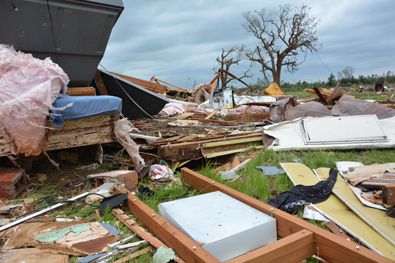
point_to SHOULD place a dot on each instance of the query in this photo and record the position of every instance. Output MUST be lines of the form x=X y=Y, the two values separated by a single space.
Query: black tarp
x=301 y=195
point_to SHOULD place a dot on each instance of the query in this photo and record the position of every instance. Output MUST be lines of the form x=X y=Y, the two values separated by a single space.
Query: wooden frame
x=299 y=239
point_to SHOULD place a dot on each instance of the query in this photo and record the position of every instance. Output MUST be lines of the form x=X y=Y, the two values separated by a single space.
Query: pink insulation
x=240 y=110
x=28 y=88
x=171 y=109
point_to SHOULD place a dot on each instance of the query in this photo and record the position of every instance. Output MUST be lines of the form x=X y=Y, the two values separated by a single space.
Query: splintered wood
x=88 y=131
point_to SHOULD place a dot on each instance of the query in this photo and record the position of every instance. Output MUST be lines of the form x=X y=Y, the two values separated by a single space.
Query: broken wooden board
x=101 y=87
x=377 y=219
x=31 y=255
x=251 y=117
x=84 y=132
x=190 y=150
x=336 y=210
x=326 y=245
x=125 y=176
x=154 y=87
x=184 y=115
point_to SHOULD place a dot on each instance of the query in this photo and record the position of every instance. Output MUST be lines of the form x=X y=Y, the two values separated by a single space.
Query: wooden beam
x=186 y=248
x=327 y=245
x=100 y=84
x=293 y=248
x=389 y=194
x=317 y=91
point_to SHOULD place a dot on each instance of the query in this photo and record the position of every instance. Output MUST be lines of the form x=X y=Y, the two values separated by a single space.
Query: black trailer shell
x=74 y=33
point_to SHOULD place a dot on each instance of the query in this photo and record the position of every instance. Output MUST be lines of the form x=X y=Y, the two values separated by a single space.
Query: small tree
x=282 y=35
x=231 y=57
x=331 y=80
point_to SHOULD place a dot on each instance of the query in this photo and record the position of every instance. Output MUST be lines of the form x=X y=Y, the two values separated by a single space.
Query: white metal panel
x=289 y=136
x=343 y=129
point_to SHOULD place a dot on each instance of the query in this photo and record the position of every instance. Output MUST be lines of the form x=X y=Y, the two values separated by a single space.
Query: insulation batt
x=28 y=88
x=121 y=130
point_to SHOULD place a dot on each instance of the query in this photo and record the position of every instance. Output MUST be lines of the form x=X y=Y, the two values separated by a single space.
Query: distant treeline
x=331 y=82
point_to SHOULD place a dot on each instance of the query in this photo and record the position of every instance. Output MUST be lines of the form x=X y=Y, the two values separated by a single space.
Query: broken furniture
x=300 y=239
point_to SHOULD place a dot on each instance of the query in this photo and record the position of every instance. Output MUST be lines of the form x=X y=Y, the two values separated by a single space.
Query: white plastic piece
x=224 y=226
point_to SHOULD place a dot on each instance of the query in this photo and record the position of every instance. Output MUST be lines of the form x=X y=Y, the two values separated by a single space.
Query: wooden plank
x=100 y=84
x=154 y=87
x=134 y=255
x=327 y=245
x=336 y=94
x=293 y=248
x=316 y=90
x=82 y=91
x=389 y=194
x=252 y=117
x=184 y=115
x=226 y=123
x=186 y=248
x=181 y=88
x=141 y=232
x=211 y=114
x=311 y=91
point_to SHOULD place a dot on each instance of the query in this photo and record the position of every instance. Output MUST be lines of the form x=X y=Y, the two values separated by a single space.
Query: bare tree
x=282 y=35
x=347 y=73
x=231 y=57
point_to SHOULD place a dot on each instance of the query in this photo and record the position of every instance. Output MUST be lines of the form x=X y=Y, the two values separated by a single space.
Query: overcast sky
x=178 y=41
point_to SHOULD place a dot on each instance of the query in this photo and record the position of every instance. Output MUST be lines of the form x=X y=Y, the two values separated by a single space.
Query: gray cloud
x=178 y=41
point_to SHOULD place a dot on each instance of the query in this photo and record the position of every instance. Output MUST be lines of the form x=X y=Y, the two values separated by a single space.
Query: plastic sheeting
x=350 y=106
x=28 y=88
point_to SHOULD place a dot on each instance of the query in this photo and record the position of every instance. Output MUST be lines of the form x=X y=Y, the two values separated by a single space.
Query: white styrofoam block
x=222 y=225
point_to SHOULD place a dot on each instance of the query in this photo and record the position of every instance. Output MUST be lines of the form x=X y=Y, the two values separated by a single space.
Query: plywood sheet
x=337 y=211
x=377 y=219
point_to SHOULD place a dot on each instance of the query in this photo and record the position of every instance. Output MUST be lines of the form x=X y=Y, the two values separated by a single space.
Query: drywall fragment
x=56 y=235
